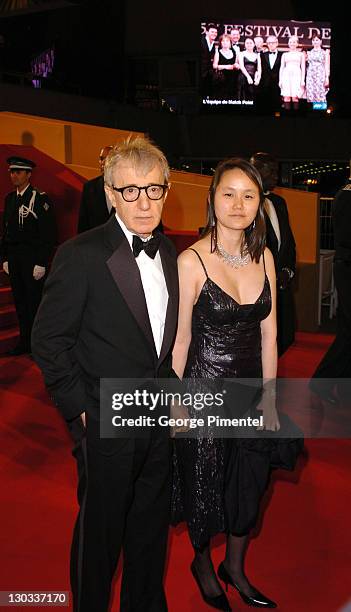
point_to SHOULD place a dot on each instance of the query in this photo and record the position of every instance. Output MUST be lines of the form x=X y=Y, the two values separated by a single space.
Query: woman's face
x=316 y=42
x=236 y=200
x=293 y=43
x=249 y=44
x=225 y=43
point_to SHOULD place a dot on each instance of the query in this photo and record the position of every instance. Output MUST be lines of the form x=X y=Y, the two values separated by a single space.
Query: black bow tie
x=272 y=53
x=149 y=246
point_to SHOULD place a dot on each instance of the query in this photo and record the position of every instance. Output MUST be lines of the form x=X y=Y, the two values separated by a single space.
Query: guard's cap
x=20 y=163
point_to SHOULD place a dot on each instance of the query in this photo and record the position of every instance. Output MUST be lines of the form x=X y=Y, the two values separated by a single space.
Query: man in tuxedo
x=281 y=242
x=336 y=363
x=207 y=54
x=95 y=206
x=110 y=311
x=269 y=98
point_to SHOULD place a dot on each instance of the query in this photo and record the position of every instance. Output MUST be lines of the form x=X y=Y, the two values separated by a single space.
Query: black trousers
x=26 y=291
x=336 y=363
x=124 y=498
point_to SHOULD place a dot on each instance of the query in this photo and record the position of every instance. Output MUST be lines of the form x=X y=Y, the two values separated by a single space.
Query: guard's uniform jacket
x=29 y=236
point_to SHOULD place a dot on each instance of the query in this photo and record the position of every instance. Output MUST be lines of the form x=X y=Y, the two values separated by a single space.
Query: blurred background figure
x=280 y=241
x=207 y=54
x=317 y=77
x=95 y=208
x=250 y=76
x=336 y=364
x=292 y=74
x=224 y=65
x=28 y=239
x=269 y=98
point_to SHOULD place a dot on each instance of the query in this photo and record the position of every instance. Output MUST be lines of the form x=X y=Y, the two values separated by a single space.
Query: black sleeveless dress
x=218 y=483
x=245 y=90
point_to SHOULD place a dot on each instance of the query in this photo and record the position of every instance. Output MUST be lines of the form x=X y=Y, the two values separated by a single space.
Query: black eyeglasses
x=130 y=193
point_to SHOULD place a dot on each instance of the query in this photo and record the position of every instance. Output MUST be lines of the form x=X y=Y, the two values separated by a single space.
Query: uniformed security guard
x=29 y=235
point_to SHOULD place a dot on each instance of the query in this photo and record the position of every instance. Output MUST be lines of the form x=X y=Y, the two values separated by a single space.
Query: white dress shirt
x=270 y=210
x=272 y=57
x=155 y=288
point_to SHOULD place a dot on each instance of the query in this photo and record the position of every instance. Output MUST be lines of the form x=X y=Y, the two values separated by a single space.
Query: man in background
x=207 y=54
x=269 y=98
x=28 y=239
x=95 y=207
x=336 y=363
x=280 y=241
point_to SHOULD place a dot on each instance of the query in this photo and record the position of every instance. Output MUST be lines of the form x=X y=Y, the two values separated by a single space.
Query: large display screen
x=265 y=65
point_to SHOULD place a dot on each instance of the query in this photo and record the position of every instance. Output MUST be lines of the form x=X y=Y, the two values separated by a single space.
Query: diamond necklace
x=235 y=261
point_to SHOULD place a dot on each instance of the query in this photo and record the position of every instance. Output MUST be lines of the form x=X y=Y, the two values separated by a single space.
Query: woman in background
x=317 y=77
x=224 y=63
x=250 y=66
x=292 y=74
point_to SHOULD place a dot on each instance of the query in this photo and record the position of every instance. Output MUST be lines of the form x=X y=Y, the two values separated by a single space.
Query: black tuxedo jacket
x=93 y=321
x=270 y=76
x=285 y=257
x=93 y=209
x=206 y=58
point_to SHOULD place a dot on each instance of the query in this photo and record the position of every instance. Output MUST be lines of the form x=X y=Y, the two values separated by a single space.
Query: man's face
x=143 y=215
x=212 y=34
x=102 y=157
x=235 y=36
x=20 y=178
x=258 y=42
x=272 y=44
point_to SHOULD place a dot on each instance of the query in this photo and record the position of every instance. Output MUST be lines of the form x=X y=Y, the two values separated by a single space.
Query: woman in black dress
x=227 y=329
x=250 y=75
x=224 y=63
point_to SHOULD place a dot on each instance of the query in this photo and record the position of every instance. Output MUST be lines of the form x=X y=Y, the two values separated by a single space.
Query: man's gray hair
x=139 y=152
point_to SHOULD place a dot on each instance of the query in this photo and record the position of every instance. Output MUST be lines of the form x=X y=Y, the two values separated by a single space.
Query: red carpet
x=301 y=558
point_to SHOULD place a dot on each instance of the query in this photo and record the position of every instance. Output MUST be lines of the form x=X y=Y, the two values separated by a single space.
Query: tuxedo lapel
x=169 y=265
x=125 y=273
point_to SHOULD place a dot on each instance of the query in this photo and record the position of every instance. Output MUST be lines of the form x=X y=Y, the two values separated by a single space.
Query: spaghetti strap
x=202 y=263
x=264 y=264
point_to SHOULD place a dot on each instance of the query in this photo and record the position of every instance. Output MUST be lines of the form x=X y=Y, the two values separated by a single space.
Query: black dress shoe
x=325 y=394
x=18 y=350
x=258 y=600
x=220 y=602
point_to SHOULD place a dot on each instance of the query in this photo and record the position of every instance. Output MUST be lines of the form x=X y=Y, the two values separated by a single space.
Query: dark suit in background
x=207 y=57
x=336 y=363
x=93 y=323
x=94 y=209
x=285 y=266
x=268 y=95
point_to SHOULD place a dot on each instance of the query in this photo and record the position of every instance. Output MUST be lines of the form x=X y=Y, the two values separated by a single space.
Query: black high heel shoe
x=220 y=602
x=258 y=600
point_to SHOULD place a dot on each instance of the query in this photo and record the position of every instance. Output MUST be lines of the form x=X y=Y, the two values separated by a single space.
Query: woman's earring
x=254 y=224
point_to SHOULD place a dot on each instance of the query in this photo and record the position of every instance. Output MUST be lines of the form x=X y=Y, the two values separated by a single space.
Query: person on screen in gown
x=207 y=54
x=268 y=98
x=223 y=64
x=250 y=75
x=317 y=75
x=292 y=74
x=227 y=330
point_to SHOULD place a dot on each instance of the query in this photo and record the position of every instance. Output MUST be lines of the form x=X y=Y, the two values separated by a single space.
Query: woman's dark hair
x=255 y=235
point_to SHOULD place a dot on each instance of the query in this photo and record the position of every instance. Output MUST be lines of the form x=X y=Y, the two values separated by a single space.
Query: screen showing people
x=265 y=65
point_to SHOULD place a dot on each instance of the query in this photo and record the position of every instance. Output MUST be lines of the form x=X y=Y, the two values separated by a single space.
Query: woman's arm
x=243 y=69
x=282 y=66
x=327 y=68
x=188 y=283
x=303 y=69
x=216 y=59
